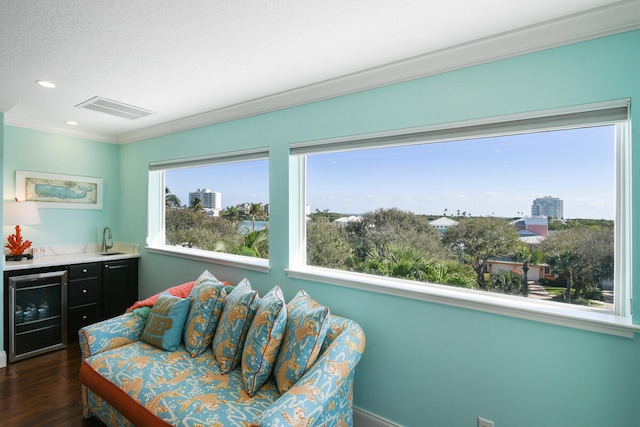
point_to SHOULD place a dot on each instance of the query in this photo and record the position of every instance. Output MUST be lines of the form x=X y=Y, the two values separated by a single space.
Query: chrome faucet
x=106 y=247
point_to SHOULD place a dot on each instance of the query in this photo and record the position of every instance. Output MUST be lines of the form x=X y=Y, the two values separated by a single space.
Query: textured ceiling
x=184 y=58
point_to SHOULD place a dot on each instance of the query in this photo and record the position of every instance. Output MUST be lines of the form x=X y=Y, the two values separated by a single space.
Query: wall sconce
x=25 y=213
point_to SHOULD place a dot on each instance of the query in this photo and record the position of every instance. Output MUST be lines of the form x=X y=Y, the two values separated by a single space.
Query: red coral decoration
x=16 y=245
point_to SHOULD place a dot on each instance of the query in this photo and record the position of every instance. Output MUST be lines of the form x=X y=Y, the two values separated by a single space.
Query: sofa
x=234 y=359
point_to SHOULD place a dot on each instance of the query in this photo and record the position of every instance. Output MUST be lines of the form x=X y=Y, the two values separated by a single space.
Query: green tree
x=563 y=259
x=384 y=228
x=482 y=238
x=327 y=245
x=409 y=263
x=256 y=244
x=256 y=211
x=171 y=201
x=195 y=229
x=196 y=204
x=324 y=216
x=510 y=283
x=231 y=214
x=585 y=255
x=527 y=255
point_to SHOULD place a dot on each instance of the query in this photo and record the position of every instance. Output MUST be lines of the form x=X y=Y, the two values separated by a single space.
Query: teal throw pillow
x=207 y=299
x=166 y=322
x=263 y=340
x=239 y=308
x=307 y=322
x=206 y=275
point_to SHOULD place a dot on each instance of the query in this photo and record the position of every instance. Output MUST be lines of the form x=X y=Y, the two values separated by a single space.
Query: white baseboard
x=3 y=359
x=363 y=418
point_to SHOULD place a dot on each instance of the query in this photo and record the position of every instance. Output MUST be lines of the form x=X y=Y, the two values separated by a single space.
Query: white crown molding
x=608 y=20
x=23 y=122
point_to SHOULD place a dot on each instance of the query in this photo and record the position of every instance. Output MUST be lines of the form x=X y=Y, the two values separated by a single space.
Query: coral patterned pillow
x=263 y=340
x=228 y=340
x=166 y=321
x=307 y=322
x=207 y=299
x=181 y=291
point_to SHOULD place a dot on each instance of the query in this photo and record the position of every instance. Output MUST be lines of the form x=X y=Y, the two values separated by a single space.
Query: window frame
x=156 y=232
x=614 y=112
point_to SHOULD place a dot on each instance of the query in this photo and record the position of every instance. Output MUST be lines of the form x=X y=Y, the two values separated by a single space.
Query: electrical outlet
x=484 y=423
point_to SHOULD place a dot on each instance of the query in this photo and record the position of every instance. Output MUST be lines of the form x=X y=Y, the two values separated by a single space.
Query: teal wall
x=37 y=151
x=425 y=364
x=428 y=364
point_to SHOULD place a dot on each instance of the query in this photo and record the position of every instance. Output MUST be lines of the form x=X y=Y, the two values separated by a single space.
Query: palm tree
x=170 y=199
x=563 y=261
x=231 y=214
x=256 y=211
x=256 y=244
x=527 y=256
x=196 y=204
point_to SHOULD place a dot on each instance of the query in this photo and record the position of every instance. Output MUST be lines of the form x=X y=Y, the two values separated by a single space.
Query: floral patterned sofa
x=240 y=360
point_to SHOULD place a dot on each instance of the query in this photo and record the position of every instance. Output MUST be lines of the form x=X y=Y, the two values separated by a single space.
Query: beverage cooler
x=37 y=314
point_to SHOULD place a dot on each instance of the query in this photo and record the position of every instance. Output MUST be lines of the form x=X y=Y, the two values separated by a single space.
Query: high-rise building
x=208 y=199
x=547 y=206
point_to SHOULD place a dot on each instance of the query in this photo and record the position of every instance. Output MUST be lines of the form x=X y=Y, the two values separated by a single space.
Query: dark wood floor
x=43 y=391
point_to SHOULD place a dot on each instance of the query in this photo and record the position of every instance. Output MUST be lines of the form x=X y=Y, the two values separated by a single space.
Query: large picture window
x=213 y=205
x=531 y=207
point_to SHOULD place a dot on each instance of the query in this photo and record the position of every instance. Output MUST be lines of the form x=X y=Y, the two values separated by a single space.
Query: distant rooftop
x=443 y=222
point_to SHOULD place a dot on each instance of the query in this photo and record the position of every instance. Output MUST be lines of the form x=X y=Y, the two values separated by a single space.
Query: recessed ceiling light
x=71 y=123
x=46 y=84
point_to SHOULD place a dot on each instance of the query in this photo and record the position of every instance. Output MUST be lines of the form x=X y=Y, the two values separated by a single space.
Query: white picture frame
x=58 y=191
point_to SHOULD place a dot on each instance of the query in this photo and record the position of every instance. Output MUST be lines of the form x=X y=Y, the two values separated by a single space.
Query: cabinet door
x=84 y=271
x=79 y=317
x=119 y=286
x=83 y=292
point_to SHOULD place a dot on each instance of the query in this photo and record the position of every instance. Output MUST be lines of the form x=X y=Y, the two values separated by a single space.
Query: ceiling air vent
x=115 y=108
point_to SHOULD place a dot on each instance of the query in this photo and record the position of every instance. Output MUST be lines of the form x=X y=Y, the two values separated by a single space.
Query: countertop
x=76 y=254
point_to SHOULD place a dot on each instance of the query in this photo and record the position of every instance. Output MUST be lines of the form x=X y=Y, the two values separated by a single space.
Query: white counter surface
x=75 y=254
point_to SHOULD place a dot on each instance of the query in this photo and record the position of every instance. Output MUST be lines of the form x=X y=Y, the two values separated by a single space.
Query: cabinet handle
x=84 y=270
x=106 y=266
x=84 y=291
x=84 y=317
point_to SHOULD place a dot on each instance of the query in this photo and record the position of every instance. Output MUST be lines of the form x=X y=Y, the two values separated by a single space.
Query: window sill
x=239 y=261
x=522 y=308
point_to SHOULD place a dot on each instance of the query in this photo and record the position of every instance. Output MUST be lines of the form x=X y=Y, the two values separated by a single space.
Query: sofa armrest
x=324 y=391
x=112 y=333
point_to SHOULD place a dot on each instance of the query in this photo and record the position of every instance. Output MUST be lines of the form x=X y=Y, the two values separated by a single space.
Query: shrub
x=508 y=282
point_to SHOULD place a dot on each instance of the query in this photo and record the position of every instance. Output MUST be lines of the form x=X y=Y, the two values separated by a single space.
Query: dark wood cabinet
x=87 y=293
x=100 y=290
x=85 y=285
x=81 y=316
x=119 y=286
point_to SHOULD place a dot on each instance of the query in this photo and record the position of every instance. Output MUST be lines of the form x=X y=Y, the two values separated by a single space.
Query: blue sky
x=238 y=182
x=491 y=176
x=500 y=176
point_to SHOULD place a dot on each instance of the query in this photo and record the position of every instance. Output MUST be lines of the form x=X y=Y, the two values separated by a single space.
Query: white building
x=211 y=201
x=535 y=272
x=442 y=223
x=547 y=206
x=347 y=219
